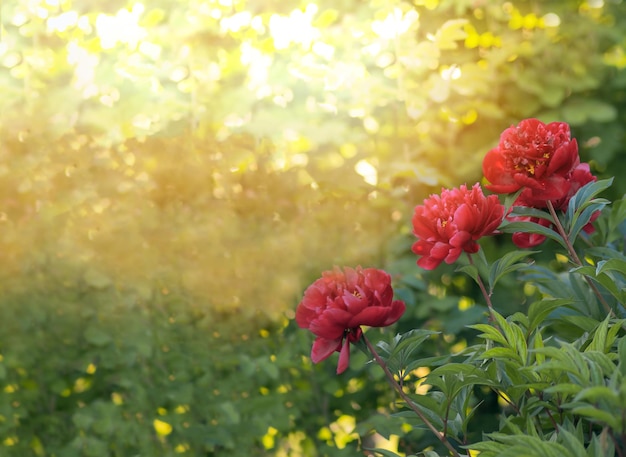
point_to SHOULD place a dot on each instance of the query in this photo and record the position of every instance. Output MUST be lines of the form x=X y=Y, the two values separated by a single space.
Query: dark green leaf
x=572 y=443
x=384 y=452
x=596 y=394
x=490 y=333
x=582 y=198
x=531 y=212
x=540 y=310
x=532 y=227
x=584 y=217
x=507 y=264
x=596 y=415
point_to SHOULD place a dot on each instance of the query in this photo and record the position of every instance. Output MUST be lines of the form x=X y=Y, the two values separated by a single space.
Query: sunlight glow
x=258 y=69
x=84 y=69
x=236 y=22
x=62 y=22
x=450 y=73
x=551 y=20
x=368 y=171
x=395 y=24
x=122 y=28
x=295 y=28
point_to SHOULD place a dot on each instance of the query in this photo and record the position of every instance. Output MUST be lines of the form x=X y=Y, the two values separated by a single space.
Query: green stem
x=440 y=436
x=574 y=256
x=483 y=289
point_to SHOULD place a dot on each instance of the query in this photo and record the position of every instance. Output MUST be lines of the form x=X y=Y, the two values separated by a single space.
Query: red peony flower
x=580 y=176
x=335 y=306
x=534 y=155
x=452 y=222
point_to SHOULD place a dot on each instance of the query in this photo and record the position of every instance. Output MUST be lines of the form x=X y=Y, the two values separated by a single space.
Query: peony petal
x=455 y=253
x=355 y=301
x=460 y=239
x=338 y=315
x=397 y=310
x=465 y=219
x=344 y=358
x=503 y=188
x=323 y=348
x=494 y=170
x=524 y=180
x=422 y=247
x=424 y=228
x=564 y=159
x=373 y=316
x=525 y=240
x=428 y=263
x=304 y=315
x=327 y=328
x=440 y=250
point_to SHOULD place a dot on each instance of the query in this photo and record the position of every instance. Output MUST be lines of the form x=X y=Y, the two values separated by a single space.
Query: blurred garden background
x=174 y=173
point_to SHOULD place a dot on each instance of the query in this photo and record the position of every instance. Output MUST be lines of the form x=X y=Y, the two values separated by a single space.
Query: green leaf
x=566 y=359
x=514 y=335
x=431 y=406
x=598 y=343
x=507 y=264
x=564 y=388
x=527 y=446
x=583 y=197
x=578 y=110
x=618 y=265
x=96 y=336
x=509 y=200
x=490 y=333
x=585 y=323
x=469 y=270
x=595 y=415
x=505 y=354
x=384 y=452
x=540 y=310
x=621 y=352
x=411 y=340
x=478 y=267
x=603 y=279
x=602 y=363
x=583 y=218
x=230 y=413
x=532 y=227
x=537 y=342
x=601 y=445
x=572 y=443
x=596 y=394
x=531 y=212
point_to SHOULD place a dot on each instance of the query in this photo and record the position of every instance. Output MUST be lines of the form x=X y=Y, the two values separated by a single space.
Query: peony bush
x=558 y=368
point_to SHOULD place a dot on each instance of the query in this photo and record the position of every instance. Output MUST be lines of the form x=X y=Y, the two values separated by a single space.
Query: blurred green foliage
x=173 y=173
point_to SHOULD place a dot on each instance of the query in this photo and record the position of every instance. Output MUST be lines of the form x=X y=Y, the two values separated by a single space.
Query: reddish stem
x=574 y=257
x=486 y=295
x=440 y=436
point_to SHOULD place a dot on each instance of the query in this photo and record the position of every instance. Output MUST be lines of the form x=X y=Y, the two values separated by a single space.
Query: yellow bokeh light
x=161 y=427
x=117 y=399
